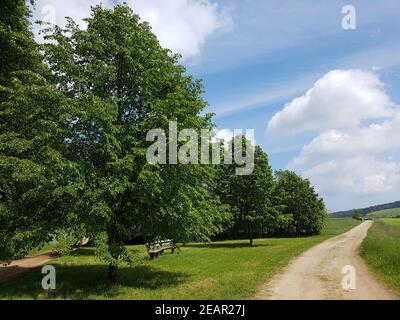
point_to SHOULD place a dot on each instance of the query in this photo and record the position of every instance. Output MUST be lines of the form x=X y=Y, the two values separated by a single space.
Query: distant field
x=392 y=222
x=388 y=213
x=219 y=270
x=381 y=251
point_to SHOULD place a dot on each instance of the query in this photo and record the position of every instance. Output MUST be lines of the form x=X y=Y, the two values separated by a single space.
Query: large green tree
x=32 y=167
x=37 y=182
x=249 y=195
x=302 y=210
x=120 y=84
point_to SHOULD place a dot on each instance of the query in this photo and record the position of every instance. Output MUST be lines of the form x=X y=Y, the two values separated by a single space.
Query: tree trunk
x=112 y=268
x=251 y=237
x=112 y=273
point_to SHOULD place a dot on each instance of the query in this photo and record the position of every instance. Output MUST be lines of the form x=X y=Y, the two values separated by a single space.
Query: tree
x=18 y=49
x=358 y=214
x=32 y=168
x=249 y=196
x=121 y=83
x=37 y=182
x=302 y=210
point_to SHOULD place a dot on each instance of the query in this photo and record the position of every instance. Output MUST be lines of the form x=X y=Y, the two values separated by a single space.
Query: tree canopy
x=18 y=49
x=302 y=210
x=31 y=161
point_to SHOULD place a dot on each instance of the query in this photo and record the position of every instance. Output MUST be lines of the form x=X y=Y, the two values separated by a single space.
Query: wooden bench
x=156 y=249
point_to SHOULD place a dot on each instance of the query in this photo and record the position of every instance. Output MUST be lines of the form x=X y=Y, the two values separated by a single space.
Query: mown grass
x=381 y=251
x=220 y=270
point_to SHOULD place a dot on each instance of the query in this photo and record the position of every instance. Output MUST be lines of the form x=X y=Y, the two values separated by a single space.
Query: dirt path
x=18 y=267
x=317 y=273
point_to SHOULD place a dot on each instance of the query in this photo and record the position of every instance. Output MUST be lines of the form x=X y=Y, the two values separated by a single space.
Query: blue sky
x=256 y=57
x=279 y=57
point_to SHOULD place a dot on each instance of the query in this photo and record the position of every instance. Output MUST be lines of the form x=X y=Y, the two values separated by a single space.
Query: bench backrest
x=159 y=244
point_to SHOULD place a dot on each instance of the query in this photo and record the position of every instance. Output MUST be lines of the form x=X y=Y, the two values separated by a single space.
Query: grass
x=46 y=248
x=381 y=251
x=388 y=213
x=220 y=270
x=392 y=222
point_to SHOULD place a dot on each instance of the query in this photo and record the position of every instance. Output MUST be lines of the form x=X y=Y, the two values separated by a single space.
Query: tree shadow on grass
x=91 y=251
x=89 y=281
x=228 y=245
x=84 y=251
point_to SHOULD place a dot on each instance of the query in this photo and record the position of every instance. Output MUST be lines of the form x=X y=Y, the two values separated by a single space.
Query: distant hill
x=350 y=213
x=387 y=213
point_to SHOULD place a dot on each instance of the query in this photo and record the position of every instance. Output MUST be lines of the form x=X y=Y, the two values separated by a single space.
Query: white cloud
x=181 y=25
x=373 y=139
x=354 y=177
x=55 y=11
x=360 y=162
x=340 y=99
x=354 y=157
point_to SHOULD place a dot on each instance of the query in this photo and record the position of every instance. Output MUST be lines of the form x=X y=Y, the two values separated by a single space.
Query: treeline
x=350 y=213
x=267 y=204
x=74 y=114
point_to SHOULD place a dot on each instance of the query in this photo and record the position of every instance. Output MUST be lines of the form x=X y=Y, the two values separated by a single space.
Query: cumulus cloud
x=183 y=25
x=373 y=139
x=354 y=156
x=180 y=25
x=340 y=99
x=354 y=177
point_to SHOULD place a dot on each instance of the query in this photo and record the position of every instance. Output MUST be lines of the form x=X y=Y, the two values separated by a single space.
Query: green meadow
x=218 y=270
x=381 y=251
x=388 y=213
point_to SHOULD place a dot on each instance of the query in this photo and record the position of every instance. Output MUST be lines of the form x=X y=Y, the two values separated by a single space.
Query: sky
x=323 y=100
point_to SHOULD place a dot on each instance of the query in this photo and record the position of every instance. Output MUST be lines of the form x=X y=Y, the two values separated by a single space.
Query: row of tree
x=264 y=204
x=74 y=114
